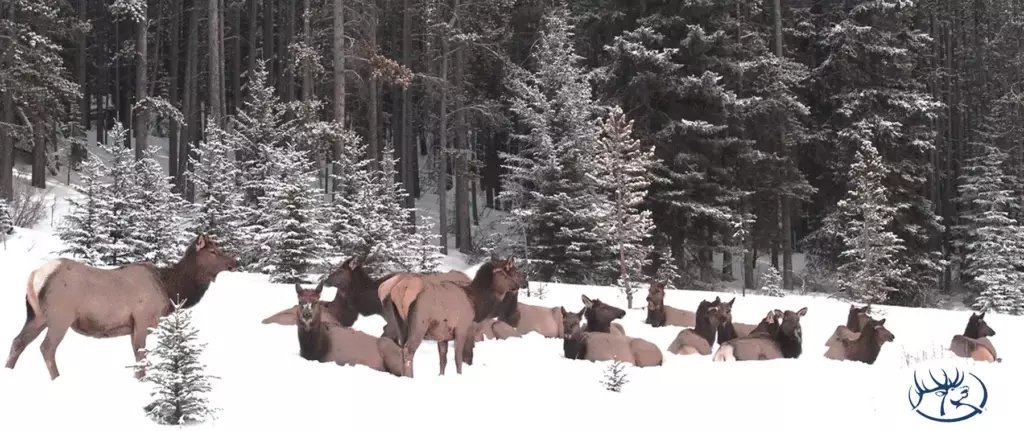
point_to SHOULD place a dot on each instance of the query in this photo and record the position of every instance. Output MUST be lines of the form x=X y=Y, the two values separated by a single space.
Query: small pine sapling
x=174 y=368
x=6 y=223
x=615 y=376
x=771 y=284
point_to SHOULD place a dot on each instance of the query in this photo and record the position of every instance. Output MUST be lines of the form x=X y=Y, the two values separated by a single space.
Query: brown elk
x=600 y=315
x=356 y=296
x=727 y=329
x=600 y=346
x=974 y=342
x=659 y=314
x=102 y=303
x=504 y=325
x=526 y=318
x=865 y=346
x=323 y=341
x=445 y=309
x=700 y=338
x=855 y=321
x=786 y=343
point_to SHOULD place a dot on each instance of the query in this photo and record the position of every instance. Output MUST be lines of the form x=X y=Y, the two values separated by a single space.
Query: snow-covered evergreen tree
x=82 y=230
x=260 y=125
x=293 y=233
x=6 y=222
x=623 y=171
x=992 y=239
x=864 y=221
x=120 y=194
x=173 y=366
x=220 y=209
x=161 y=227
x=368 y=218
x=615 y=377
x=771 y=283
x=559 y=206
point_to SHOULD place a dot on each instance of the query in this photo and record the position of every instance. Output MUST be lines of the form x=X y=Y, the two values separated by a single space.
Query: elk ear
x=298 y=289
x=732 y=302
x=587 y=303
x=770 y=317
x=319 y=288
x=982 y=315
x=510 y=263
x=802 y=312
x=201 y=242
x=580 y=314
x=563 y=310
x=880 y=322
x=354 y=262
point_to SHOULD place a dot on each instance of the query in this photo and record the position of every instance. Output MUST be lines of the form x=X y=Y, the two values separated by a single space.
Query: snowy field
x=516 y=383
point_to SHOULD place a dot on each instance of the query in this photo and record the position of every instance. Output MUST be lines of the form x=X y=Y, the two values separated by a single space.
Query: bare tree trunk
x=442 y=147
x=373 y=147
x=7 y=148
x=251 y=45
x=194 y=125
x=141 y=115
x=158 y=54
x=172 y=90
x=80 y=65
x=411 y=156
x=213 y=20
x=463 y=229
x=222 y=56
x=785 y=201
x=39 y=155
x=268 y=41
x=236 y=60
x=288 y=86
x=338 y=45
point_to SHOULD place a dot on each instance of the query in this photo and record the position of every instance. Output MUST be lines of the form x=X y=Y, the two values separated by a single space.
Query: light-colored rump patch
x=841 y=333
x=724 y=354
x=982 y=354
x=37 y=280
x=980 y=349
x=385 y=286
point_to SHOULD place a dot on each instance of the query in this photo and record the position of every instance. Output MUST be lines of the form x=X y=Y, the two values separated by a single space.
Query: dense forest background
x=881 y=139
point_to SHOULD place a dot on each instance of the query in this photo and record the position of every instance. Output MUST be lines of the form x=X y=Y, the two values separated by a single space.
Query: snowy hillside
x=524 y=382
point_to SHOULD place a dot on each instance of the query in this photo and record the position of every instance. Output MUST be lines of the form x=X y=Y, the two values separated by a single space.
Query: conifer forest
x=878 y=142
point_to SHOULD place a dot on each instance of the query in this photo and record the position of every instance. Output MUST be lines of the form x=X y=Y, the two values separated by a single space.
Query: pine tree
x=6 y=223
x=993 y=241
x=615 y=376
x=864 y=219
x=771 y=284
x=261 y=126
x=118 y=219
x=82 y=231
x=162 y=224
x=623 y=169
x=220 y=211
x=558 y=206
x=174 y=368
x=294 y=223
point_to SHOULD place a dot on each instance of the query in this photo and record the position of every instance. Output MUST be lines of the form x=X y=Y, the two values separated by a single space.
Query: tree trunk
x=141 y=115
x=7 y=147
x=338 y=45
x=441 y=156
x=251 y=46
x=288 y=86
x=235 y=13
x=172 y=90
x=411 y=156
x=463 y=238
x=191 y=100
x=80 y=65
x=214 y=81
x=39 y=155
x=268 y=42
x=373 y=148
x=785 y=201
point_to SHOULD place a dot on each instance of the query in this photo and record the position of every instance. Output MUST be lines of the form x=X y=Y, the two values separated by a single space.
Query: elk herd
x=445 y=307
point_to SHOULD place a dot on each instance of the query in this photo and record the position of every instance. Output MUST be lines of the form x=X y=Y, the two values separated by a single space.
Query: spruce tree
x=162 y=224
x=82 y=229
x=293 y=224
x=174 y=368
x=992 y=239
x=6 y=222
x=557 y=204
x=219 y=207
x=623 y=170
x=864 y=221
x=118 y=221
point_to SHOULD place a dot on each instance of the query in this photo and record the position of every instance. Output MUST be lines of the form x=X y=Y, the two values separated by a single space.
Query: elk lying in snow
x=727 y=329
x=323 y=341
x=699 y=339
x=974 y=342
x=444 y=308
x=600 y=316
x=787 y=341
x=103 y=303
x=600 y=346
x=864 y=346
x=357 y=296
x=659 y=314
x=855 y=321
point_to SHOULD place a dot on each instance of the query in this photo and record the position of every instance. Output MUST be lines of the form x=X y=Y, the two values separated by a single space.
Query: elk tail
x=724 y=353
x=36 y=282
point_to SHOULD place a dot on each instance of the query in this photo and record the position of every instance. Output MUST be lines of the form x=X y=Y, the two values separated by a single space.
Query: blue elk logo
x=951 y=399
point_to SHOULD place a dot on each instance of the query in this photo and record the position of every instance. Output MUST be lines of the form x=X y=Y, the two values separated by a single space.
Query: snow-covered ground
x=516 y=383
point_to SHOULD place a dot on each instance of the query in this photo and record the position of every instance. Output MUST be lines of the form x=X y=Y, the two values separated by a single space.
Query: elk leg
x=139 y=333
x=392 y=355
x=461 y=345
x=442 y=355
x=417 y=330
x=49 y=347
x=28 y=334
